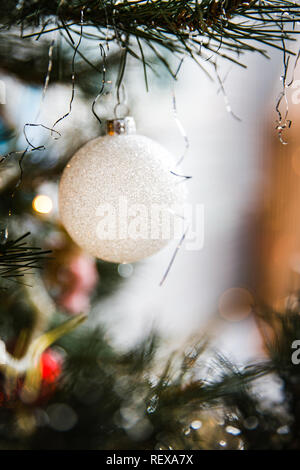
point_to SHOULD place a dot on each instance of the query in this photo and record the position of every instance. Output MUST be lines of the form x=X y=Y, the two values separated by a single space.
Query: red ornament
x=51 y=369
x=51 y=364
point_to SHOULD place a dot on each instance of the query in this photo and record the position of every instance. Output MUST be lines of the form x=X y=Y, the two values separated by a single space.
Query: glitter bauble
x=118 y=198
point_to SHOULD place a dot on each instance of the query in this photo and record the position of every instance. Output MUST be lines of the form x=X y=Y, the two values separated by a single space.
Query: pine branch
x=183 y=27
x=16 y=258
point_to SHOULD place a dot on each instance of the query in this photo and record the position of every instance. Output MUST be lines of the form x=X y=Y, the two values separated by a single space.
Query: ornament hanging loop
x=122 y=124
x=121 y=109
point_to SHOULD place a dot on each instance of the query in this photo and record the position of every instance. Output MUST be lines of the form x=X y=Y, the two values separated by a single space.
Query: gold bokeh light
x=42 y=204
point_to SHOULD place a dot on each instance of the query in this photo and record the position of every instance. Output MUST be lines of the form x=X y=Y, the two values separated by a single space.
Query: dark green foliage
x=280 y=347
x=114 y=381
x=109 y=279
x=107 y=390
x=15 y=314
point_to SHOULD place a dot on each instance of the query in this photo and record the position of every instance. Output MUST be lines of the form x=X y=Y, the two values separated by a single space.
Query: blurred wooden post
x=278 y=268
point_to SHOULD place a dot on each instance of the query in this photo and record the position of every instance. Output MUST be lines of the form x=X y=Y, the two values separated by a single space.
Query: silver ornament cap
x=121 y=126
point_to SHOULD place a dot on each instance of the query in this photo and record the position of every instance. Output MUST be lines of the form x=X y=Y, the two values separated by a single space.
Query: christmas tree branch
x=183 y=27
x=17 y=259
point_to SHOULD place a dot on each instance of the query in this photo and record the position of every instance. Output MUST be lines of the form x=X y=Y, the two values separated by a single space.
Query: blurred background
x=244 y=177
x=214 y=287
x=99 y=355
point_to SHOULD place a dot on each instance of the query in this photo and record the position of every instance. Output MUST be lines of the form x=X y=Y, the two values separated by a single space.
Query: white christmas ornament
x=118 y=197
